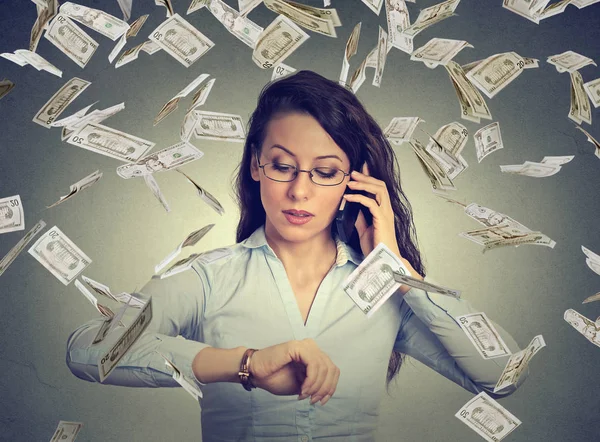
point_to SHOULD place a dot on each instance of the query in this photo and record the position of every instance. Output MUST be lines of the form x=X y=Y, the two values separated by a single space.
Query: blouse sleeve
x=177 y=308
x=430 y=333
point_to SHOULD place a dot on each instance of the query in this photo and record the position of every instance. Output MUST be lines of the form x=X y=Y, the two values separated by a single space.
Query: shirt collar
x=345 y=253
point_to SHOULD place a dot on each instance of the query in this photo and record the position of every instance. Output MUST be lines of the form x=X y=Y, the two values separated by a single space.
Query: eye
x=326 y=172
x=282 y=167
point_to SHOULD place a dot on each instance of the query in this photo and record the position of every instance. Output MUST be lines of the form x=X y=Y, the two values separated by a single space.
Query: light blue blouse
x=244 y=298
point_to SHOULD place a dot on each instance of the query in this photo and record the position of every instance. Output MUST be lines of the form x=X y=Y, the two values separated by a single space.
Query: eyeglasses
x=322 y=176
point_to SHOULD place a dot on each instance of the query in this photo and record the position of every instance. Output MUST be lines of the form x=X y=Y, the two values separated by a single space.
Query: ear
x=254 y=169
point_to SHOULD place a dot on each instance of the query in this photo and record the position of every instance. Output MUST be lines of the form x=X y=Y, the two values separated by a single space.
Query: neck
x=306 y=259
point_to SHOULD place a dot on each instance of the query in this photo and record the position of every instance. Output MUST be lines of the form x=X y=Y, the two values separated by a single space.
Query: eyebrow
x=316 y=158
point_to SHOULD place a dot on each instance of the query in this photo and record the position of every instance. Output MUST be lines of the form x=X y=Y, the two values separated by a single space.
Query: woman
x=279 y=288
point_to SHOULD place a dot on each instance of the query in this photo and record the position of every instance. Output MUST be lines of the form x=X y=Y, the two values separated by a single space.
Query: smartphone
x=347 y=215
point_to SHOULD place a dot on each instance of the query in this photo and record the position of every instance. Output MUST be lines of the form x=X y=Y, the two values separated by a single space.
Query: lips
x=298 y=212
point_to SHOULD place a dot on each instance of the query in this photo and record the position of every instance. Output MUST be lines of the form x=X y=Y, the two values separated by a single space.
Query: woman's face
x=298 y=139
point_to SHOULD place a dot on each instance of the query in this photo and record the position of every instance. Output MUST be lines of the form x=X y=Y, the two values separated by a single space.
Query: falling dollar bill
x=592 y=298
x=491 y=218
x=318 y=24
x=173 y=103
x=190 y=240
x=569 y=61
x=592 y=140
x=66 y=431
x=381 y=51
x=77 y=187
x=125 y=298
x=196 y=5
x=108 y=362
x=5 y=87
x=71 y=40
x=277 y=42
x=398 y=19
x=488 y=139
x=169 y=158
x=483 y=335
x=23 y=57
x=580 y=109
x=439 y=51
x=153 y=186
x=59 y=255
x=496 y=72
x=59 y=101
x=102 y=309
x=237 y=24
x=517 y=363
x=20 y=246
x=96 y=19
x=219 y=126
x=400 y=129
x=592 y=260
x=350 y=51
x=374 y=5
x=473 y=105
x=205 y=195
x=488 y=418
x=282 y=70
x=45 y=13
x=203 y=258
x=110 y=142
x=589 y=329
x=182 y=380
x=430 y=16
x=181 y=40
x=436 y=174
x=592 y=88
x=167 y=4
x=133 y=30
x=12 y=218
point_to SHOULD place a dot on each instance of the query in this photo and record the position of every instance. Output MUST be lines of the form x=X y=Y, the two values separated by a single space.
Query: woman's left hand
x=383 y=227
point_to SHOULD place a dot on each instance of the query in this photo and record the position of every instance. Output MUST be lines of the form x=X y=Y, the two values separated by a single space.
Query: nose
x=301 y=186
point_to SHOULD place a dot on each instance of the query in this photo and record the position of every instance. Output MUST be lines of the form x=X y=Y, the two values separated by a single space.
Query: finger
x=327 y=383
x=379 y=192
x=356 y=175
x=313 y=378
x=316 y=387
x=364 y=200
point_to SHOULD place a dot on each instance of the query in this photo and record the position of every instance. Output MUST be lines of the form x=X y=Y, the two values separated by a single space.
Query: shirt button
x=304 y=438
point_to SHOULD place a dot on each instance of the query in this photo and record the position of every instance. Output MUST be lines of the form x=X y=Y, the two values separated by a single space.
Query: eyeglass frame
x=298 y=170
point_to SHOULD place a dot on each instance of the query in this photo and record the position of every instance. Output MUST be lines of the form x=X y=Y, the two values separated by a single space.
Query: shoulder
x=215 y=258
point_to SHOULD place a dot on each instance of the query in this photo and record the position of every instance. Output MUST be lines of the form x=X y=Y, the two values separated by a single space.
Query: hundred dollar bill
x=190 y=240
x=23 y=57
x=400 y=129
x=592 y=140
x=205 y=195
x=167 y=4
x=488 y=418
x=569 y=61
x=77 y=187
x=323 y=26
x=71 y=40
x=430 y=16
x=173 y=103
x=133 y=30
x=533 y=238
x=238 y=25
x=102 y=309
x=517 y=363
x=593 y=298
x=166 y=159
x=219 y=126
x=181 y=40
x=473 y=105
x=496 y=72
x=488 y=139
x=583 y=108
x=110 y=142
x=589 y=329
x=20 y=246
x=125 y=6
x=282 y=70
x=182 y=380
x=108 y=362
x=531 y=169
x=350 y=51
x=66 y=431
x=491 y=218
x=96 y=19
x=59 y=255
x=439 y=51
x=277 y=42
x=398 y=19
x=153 y=185
x=374 y=5
x=12 y=218
x=45 y=14
x=372 y=282
x=591 y=87
x=382 y=49
x=438 y=178
x=94 y=117
x=59 y=101
x=483 y=335
x=592 y=260
x=5 y=87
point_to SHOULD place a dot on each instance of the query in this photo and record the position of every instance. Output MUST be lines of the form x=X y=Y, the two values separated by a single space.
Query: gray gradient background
x=125 y=230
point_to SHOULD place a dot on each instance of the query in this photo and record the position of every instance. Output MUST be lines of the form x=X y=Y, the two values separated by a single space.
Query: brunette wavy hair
x=346 y=120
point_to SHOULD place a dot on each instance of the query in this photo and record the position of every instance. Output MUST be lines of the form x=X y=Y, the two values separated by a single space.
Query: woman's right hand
x=295 y=367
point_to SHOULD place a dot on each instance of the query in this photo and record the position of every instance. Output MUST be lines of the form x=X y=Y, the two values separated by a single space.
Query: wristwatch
x=244 y=372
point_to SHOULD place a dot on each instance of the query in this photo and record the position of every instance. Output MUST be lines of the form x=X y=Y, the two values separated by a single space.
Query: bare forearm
x=218 y=364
